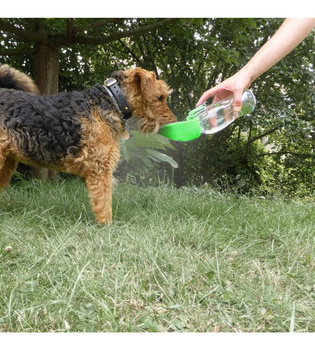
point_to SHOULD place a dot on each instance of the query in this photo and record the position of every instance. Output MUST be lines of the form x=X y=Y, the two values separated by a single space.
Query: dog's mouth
x=154 y=126
x=167 y=122
x=151 y=128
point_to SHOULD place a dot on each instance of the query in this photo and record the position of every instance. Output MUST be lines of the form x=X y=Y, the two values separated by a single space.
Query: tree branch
x=17 y=52
x=249 y=140
x=70 y=28
x=70 y=37
x=124 y=34
x=304 y=155
x=265 y=134
x=27 y=36
x=98 y=23
x=128 y=50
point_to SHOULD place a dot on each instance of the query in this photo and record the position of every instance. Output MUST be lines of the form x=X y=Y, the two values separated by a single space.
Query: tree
x=192 y=55
x=43 y=40
x=195 y=54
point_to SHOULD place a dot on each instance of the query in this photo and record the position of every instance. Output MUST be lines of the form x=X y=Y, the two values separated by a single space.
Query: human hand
x=235 y=85
x=289 y=35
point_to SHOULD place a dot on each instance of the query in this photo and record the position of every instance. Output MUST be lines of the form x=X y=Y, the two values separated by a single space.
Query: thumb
x=237 y=105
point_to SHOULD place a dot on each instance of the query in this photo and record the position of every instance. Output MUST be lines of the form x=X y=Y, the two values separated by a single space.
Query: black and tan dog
x=77 y=132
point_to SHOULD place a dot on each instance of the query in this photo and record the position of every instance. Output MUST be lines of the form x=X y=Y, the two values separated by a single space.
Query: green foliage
x=193 y=55
x=142 y=151
x=230 y=162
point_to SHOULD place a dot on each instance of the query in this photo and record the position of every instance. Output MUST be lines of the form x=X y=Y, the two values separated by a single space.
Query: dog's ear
x=144 y=81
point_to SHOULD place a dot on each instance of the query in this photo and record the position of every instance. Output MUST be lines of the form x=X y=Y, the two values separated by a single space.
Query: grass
x=183 y=260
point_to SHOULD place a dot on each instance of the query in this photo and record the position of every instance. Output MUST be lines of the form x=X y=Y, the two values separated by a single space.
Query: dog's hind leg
x=7 y=168
x=100 y=192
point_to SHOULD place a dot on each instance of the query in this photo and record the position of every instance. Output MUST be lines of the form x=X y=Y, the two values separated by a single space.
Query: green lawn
x=190 y=260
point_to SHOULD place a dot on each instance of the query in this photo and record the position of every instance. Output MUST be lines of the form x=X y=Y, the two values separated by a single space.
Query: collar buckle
x=109 y=82
x=118 y=98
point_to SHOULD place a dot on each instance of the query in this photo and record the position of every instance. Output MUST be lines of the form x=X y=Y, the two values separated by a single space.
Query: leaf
x=124 y=150
x=251 y=22
x=161 y=157
x=141 y=151
x=150 y=140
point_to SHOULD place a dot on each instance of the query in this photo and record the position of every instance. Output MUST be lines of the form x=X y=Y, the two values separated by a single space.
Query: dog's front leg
x=100 y=192
x=7 y=168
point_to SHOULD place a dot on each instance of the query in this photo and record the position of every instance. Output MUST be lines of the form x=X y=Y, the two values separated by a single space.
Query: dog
x=77 y=132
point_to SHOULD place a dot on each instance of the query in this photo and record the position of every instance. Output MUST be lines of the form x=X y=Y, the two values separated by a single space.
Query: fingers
x=205 y=96
x=220 y=93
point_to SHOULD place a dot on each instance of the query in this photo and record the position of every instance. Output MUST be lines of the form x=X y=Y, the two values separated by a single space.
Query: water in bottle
x=208 y=119
x=217 y=116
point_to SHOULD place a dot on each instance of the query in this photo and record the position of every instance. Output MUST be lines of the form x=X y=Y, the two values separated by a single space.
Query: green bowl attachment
x=182 y=131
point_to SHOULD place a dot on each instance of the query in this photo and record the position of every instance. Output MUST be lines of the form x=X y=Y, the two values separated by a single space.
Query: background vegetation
x=182 y=258
x=270 y=151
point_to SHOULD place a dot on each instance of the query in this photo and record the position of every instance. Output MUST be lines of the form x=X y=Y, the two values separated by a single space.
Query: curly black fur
x=48 y=127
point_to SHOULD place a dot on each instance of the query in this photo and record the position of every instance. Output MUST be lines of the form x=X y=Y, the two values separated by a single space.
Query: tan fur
x=143 y=91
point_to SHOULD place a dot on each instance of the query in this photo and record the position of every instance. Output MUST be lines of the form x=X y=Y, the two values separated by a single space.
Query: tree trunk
x=46 y=63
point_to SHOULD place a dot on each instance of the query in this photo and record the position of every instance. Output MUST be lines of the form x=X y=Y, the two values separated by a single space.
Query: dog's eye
x=161 y=98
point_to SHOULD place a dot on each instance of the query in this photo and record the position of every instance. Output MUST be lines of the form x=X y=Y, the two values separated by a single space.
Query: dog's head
x=147 y=97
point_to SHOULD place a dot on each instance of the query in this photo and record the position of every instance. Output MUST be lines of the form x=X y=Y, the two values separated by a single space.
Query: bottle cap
x=182 y=131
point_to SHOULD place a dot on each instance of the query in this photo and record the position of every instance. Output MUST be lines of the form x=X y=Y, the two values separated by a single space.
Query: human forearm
x=289 y=35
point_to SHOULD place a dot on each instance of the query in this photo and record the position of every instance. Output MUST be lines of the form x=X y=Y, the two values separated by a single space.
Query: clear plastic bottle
x=208 y=119
x=217 y=116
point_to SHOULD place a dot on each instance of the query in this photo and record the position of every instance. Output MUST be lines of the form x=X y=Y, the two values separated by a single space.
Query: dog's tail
x=13 y=79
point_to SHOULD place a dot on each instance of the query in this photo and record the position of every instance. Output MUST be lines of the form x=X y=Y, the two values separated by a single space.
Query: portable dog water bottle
x=208 y=119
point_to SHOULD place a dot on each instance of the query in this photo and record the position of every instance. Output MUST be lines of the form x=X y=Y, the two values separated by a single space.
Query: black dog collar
x=118 y=97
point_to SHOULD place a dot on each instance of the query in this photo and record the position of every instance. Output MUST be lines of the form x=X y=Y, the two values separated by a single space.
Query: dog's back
x=45 y=128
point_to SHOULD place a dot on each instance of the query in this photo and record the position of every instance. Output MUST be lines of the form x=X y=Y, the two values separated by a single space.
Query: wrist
x=244 y=78
x=248 y=74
